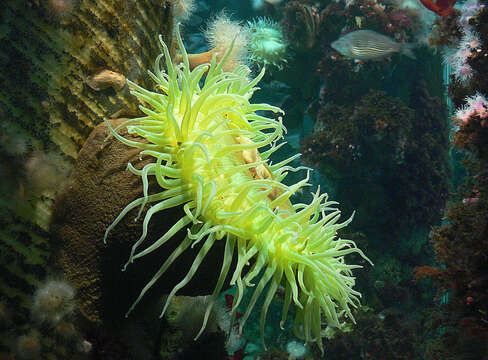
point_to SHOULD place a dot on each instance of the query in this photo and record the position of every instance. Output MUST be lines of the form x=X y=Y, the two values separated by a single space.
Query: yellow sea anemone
x=205 y=142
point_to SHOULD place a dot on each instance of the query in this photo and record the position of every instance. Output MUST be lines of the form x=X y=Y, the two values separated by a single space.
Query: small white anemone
x=53 y=301
x=221 y=34
x=297 y=350
x=183 y=9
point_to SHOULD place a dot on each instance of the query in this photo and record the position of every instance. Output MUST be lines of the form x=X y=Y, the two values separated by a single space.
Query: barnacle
x=205 y=143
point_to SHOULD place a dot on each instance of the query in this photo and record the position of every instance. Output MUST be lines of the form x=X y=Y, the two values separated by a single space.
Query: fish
x=370 y=45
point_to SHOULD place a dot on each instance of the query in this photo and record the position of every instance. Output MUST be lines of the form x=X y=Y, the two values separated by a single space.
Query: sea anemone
x=296 y=350
x=53 y=301
x=469 y=9
x=222 y=33
x=205 y=144
x=45 y=171
x=476 y=105
x=183 y=9
x=29 y=346
x=267 y=44
x=458 y=60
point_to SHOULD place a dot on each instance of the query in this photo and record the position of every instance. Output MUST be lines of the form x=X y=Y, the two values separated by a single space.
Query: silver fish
x=369 y=45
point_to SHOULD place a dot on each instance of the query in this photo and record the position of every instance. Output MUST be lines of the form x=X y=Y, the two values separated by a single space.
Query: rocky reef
x=460 y=321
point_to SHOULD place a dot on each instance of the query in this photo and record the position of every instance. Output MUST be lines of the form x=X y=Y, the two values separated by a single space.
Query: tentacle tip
x=126 y=264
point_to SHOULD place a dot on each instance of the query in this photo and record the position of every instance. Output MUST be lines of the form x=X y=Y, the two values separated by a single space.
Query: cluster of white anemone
x=458 y=57
x=476 y=105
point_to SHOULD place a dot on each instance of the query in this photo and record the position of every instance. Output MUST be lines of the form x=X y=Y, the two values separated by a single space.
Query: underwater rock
x=53 y=45
x=97 y=191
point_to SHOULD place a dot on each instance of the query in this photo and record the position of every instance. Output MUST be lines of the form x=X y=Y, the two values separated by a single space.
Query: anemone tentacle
x=211 y=156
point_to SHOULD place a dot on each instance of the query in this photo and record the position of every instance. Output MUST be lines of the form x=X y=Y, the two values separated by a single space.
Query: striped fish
x=369 y=45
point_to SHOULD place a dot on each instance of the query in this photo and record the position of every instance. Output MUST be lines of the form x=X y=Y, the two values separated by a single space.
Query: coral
x=421 y=272
x=462 y=246
x=376 y=142
x=267 y=46
x=387 y=335
x=204 y=143
x=445 y=31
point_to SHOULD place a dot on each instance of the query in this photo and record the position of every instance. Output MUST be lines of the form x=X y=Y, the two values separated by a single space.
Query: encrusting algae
x=205 y=144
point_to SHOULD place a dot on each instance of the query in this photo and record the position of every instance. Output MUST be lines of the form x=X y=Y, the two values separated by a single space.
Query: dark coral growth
x=388 y=335
x=445 y=31
x=462 y=246
x=356 y=134
x=380 y=146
